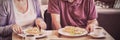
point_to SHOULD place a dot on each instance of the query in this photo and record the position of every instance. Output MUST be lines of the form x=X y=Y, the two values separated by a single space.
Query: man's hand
x=40 y=23
x=90 y=27
x=16 y=29
x=91 y=24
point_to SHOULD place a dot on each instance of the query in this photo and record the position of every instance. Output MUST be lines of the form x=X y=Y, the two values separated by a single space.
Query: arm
x=6 y=26
x=92 y=22
x=5 y=30
x=9 y=29
x=92 y=17
x=53 y=8
x=56 y=21
x=39 y=20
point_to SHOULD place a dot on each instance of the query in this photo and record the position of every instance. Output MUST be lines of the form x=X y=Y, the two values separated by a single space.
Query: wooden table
x=53 y=35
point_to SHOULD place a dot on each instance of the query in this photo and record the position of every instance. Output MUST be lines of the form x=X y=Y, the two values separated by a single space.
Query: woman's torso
x=27 y=18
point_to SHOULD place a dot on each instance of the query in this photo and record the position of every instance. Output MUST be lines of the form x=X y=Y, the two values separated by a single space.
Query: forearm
x=5 y=30
x=56 y=21
x=92 y=22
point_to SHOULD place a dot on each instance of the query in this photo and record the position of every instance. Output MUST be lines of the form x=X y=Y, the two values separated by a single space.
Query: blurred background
x=108 y=15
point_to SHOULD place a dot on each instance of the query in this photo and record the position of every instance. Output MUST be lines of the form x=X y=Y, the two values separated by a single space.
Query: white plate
x=92 y=34
x=68 y=34
x=37 y=36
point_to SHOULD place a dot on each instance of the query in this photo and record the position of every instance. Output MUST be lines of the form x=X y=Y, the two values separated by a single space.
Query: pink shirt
x=73 y=14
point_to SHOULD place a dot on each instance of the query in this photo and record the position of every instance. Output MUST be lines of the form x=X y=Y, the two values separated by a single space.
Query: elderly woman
x=80 y=13
x=16 y=15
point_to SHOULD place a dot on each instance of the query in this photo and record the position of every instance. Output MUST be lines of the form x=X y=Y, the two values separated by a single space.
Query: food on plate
x=73 y=30
x=33 y=31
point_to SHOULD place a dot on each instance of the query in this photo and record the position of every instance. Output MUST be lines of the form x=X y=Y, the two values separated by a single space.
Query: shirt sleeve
x=5 y=30
x=92 y=10
x=37 y=8
x=53 y=6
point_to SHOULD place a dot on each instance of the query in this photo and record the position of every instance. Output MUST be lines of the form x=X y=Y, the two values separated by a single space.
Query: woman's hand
x=16 y=29
x=40 y=23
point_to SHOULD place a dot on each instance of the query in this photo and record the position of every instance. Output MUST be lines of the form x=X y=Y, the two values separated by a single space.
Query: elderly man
x=79 y=13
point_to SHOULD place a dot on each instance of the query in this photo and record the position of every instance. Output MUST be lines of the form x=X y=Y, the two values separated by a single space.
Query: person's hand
x=90 y=27
x=16 y=29
x=91 y=24
x=40 y=23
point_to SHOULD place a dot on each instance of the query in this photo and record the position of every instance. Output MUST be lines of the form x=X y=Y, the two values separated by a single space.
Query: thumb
x=87 y=28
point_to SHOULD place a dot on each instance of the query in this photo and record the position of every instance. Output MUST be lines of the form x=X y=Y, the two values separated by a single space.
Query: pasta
x=73 y=30
x=33 y=31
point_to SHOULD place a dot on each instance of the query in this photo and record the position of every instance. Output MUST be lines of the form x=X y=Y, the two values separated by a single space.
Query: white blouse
x=26 y=19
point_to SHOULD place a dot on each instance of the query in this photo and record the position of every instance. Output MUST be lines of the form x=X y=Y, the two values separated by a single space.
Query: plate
x=43 y=34
x=92 y=34
x=60 y=31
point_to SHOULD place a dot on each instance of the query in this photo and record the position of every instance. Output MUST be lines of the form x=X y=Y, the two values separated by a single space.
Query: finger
x=87 y=28
x=19 y=29
x=91 y=29
x=45 y=26
x=14 y=30
x=37 y=22
x=38 y=26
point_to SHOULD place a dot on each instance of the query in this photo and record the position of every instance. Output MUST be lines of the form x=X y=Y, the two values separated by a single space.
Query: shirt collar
x=65 y=0
x=76 y=2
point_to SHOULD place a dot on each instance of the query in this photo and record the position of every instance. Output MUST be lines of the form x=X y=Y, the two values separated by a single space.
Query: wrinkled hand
x=40 y=23
x=90 y=27
x=16 y=29
x=91 y=24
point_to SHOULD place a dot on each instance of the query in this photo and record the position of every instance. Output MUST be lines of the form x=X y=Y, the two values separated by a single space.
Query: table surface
x=54 y=35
